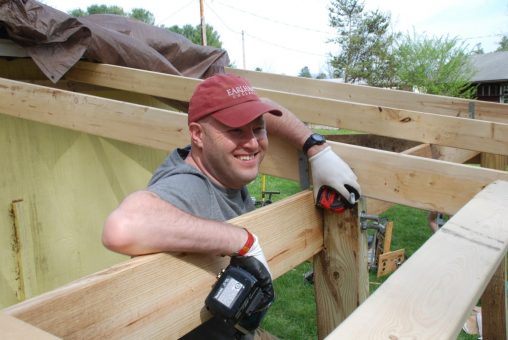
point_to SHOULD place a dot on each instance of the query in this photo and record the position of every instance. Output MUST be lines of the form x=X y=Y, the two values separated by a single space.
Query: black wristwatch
x=314 y=139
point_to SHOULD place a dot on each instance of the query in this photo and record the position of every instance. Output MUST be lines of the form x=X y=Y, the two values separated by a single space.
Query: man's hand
x=254 y=262
x=330 y=170
x=260 y=272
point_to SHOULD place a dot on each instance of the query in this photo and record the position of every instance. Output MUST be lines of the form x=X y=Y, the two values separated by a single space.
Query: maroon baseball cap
x=228 y=98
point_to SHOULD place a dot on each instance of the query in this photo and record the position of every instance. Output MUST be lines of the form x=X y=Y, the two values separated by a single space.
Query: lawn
x=293 y=315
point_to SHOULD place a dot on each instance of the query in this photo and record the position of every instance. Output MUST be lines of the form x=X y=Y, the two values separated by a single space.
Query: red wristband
x=248 y=244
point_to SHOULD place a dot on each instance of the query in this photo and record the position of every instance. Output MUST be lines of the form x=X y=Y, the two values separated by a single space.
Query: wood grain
x=431 y=294
x=15 y=329
x=160 y=296
x=405 y=100
x=340 y=272
x=392 y=121
x=493 y=300
x=409 y=180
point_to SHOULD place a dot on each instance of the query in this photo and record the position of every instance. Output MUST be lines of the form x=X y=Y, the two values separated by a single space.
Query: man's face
x=232 y=156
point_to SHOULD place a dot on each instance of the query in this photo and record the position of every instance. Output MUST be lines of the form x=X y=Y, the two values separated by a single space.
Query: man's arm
x=291 y=128
x=144 y=223
x=327 y=168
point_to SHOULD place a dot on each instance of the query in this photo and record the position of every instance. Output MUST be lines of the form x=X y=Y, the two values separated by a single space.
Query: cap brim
x=244 y=113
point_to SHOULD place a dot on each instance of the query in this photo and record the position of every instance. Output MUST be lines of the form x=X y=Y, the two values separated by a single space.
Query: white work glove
x=254 y=262
x=329 y=169
x=256 y=251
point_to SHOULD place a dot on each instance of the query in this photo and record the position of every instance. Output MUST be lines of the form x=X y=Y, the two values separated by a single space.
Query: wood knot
x=406 y=120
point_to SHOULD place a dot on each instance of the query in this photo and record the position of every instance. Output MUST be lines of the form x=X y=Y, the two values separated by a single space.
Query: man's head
x=227 y=128
x=228 y=98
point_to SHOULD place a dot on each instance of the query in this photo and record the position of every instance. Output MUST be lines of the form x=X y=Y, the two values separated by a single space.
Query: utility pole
x=243 y=48
x=203 y=25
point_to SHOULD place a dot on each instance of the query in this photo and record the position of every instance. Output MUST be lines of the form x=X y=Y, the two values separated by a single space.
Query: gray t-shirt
x=188 y=189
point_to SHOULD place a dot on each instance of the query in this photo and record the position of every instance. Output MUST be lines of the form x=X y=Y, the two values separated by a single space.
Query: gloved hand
x=328 y=198
x=330 y=170
x=260 y=271
x=256 y=251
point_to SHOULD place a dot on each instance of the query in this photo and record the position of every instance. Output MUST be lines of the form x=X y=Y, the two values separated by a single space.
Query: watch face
x=318 y=138
x=314 y=139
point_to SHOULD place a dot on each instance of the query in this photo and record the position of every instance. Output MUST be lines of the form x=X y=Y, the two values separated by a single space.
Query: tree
x=503 y=44
x=142 y=15
x=137 y=13
x=365 y=43
x=305 y=72
x=193 y=33
x=477 y=49
x=435 y=66
x=190 y=32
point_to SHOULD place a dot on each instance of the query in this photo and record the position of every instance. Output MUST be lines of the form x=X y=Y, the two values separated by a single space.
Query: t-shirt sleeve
x=189 y=193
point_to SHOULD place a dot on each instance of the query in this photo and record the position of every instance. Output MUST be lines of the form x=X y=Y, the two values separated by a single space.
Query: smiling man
x=199 y=187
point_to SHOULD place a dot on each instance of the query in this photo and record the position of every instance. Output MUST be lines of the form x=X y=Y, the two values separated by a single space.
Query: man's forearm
x=144 y=224
x=292 y=129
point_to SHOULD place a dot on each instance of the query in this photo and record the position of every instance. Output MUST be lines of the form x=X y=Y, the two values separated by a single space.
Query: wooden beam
x=493 y=300
x=129 y=80
x=10 y=49
x=405 y=100
x=161 y=295
x=20 y=69
x=413 y=181
x=431 y=295
x=454 y=155
x=134 y=80
x=406 y=124
x=439 y=152
x=494 y=306
x=15 y=329
x=98 y=116
x=410 y=125
x=341 y=280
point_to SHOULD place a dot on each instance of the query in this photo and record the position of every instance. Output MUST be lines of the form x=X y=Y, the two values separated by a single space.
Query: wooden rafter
x=111 y=76
x=449 y=106
x=487 y=136
x=399 y=178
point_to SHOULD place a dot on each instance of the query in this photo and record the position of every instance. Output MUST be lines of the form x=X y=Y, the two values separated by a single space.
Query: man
x=198 y=188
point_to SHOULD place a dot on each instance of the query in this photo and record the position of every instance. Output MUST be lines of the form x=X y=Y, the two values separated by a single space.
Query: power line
x=273 y=20
x=484 y=36
x=176 y=12
x=278 y=45
x=285 y=47
x=220 y=19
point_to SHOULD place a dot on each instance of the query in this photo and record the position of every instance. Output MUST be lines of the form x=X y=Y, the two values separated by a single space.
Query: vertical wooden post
x=494 y=322
x=494 y=306
x=341 y=279
x=23 y=246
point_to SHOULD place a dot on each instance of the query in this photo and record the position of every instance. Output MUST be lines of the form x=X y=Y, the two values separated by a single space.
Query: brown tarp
x=56 y=41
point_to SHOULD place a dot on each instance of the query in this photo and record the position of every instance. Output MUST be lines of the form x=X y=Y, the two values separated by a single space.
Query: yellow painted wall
x=68 y=183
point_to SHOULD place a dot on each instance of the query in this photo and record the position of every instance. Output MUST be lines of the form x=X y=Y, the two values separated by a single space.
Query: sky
x=283 y=36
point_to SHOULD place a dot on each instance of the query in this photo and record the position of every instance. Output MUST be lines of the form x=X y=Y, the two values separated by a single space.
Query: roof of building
x=490 y=67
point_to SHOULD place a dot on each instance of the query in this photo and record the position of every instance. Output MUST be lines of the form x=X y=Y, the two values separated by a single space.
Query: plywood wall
x=63 y=185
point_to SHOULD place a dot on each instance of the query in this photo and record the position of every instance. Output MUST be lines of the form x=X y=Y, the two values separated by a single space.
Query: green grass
x=334 y=131
x=293 y=314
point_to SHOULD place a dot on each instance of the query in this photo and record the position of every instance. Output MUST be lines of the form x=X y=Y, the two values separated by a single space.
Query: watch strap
x=314 y=139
